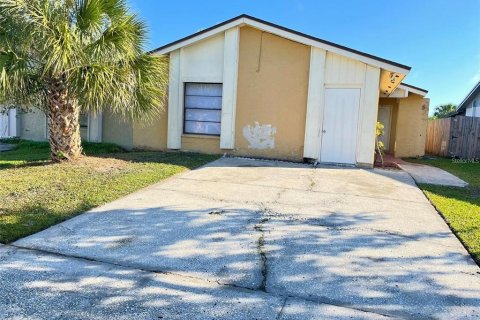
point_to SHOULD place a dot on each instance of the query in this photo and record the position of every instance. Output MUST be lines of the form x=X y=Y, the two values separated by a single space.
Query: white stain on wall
x=260 y=136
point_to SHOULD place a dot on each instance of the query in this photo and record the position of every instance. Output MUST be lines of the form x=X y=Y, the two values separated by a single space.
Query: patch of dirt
x=102 y=165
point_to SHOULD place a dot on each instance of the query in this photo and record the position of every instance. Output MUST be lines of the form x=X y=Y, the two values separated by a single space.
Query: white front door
x=340 y=123
x=385 y=118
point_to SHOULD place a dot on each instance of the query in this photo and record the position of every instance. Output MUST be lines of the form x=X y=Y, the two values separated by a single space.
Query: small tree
x=444 y=110
x=64 y=56
x=380 y=129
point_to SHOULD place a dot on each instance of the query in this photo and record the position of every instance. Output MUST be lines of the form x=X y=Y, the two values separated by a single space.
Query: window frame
x=185 y=110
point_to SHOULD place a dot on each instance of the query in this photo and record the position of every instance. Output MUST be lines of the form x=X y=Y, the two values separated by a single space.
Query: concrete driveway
x=246 y=239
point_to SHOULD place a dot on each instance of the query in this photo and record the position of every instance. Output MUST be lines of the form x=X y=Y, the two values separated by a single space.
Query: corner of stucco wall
x=412 y=122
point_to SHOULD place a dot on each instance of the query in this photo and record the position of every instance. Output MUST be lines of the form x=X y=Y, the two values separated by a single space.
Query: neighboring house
x=248 y=87
x=104 y=127
x=8 y=123
x=470 y=106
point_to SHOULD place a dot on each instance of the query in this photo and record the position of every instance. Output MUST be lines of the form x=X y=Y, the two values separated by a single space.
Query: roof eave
x=413 y=89
x=285 y=33
x=466 y=100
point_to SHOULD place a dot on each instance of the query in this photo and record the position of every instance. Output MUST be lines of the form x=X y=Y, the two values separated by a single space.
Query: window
x=83 y=120
x=203 y=108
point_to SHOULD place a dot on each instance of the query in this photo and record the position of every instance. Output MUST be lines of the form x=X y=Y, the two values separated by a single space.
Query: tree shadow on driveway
x=334 y=260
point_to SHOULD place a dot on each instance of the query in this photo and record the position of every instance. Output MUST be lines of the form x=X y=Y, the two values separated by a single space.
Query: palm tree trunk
x=63 y=124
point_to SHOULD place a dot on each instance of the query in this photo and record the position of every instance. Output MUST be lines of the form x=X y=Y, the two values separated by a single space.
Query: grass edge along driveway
x=460 y=207
x=36 y=193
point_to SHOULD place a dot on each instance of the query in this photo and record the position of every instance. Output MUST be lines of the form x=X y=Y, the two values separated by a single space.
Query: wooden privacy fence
x=464 y=138
x=438 y=137
x=454 y=137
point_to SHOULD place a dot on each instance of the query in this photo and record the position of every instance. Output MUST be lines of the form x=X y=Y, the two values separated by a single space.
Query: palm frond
x=96 y=48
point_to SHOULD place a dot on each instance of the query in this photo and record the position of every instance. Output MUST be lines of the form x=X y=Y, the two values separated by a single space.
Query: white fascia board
x=287 y=35
x=324 y=46
x=413 y=90
x=468 y=96
x=233 y=24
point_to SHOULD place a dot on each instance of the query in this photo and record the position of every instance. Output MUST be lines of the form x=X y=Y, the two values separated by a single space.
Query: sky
x=439 y=39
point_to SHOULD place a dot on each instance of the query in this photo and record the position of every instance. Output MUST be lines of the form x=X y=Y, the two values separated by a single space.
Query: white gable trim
x=242 y=20
x=324 y=46
x=200 y=37
x=413 y=90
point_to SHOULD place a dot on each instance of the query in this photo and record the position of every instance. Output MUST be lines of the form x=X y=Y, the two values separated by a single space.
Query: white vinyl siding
x=469 y=112
x=476 y=108
x=473 y=109
x=203 y=108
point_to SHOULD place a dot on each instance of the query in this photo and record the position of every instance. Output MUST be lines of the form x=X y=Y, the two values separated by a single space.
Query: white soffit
x=288 y=34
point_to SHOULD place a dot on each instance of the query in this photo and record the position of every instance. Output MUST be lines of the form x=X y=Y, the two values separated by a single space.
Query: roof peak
x=283 y=31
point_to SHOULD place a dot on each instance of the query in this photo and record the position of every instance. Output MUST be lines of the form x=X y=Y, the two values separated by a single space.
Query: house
x=248 y=87
x=8 y=123
x=470 y=106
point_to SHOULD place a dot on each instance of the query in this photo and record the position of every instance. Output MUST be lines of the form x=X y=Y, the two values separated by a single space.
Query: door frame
x=390 y=123
x=359 y=119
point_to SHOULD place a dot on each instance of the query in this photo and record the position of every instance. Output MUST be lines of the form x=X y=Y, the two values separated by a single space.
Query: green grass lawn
x=459 y=206
x=35 y=193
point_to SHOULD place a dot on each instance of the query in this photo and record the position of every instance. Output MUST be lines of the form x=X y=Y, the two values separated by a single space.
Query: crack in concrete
x=318 y=223
x=376 y=197
x=316 y=300
x=261 y=251
x=279 y=315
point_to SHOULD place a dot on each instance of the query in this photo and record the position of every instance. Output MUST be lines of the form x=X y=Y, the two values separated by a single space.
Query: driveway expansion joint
x=180 y=275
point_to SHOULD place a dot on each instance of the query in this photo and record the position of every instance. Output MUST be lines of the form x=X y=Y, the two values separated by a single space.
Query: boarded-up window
x=203 y=108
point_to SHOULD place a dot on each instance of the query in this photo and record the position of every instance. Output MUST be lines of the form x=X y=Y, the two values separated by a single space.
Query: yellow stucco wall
x=117 y=130
x=411 y=126
x=152 y=134
x=272 y=91
x=202 y=144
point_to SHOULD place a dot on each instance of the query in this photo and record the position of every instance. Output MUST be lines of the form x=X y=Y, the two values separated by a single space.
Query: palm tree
x=67 y=56
x=444 y=110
